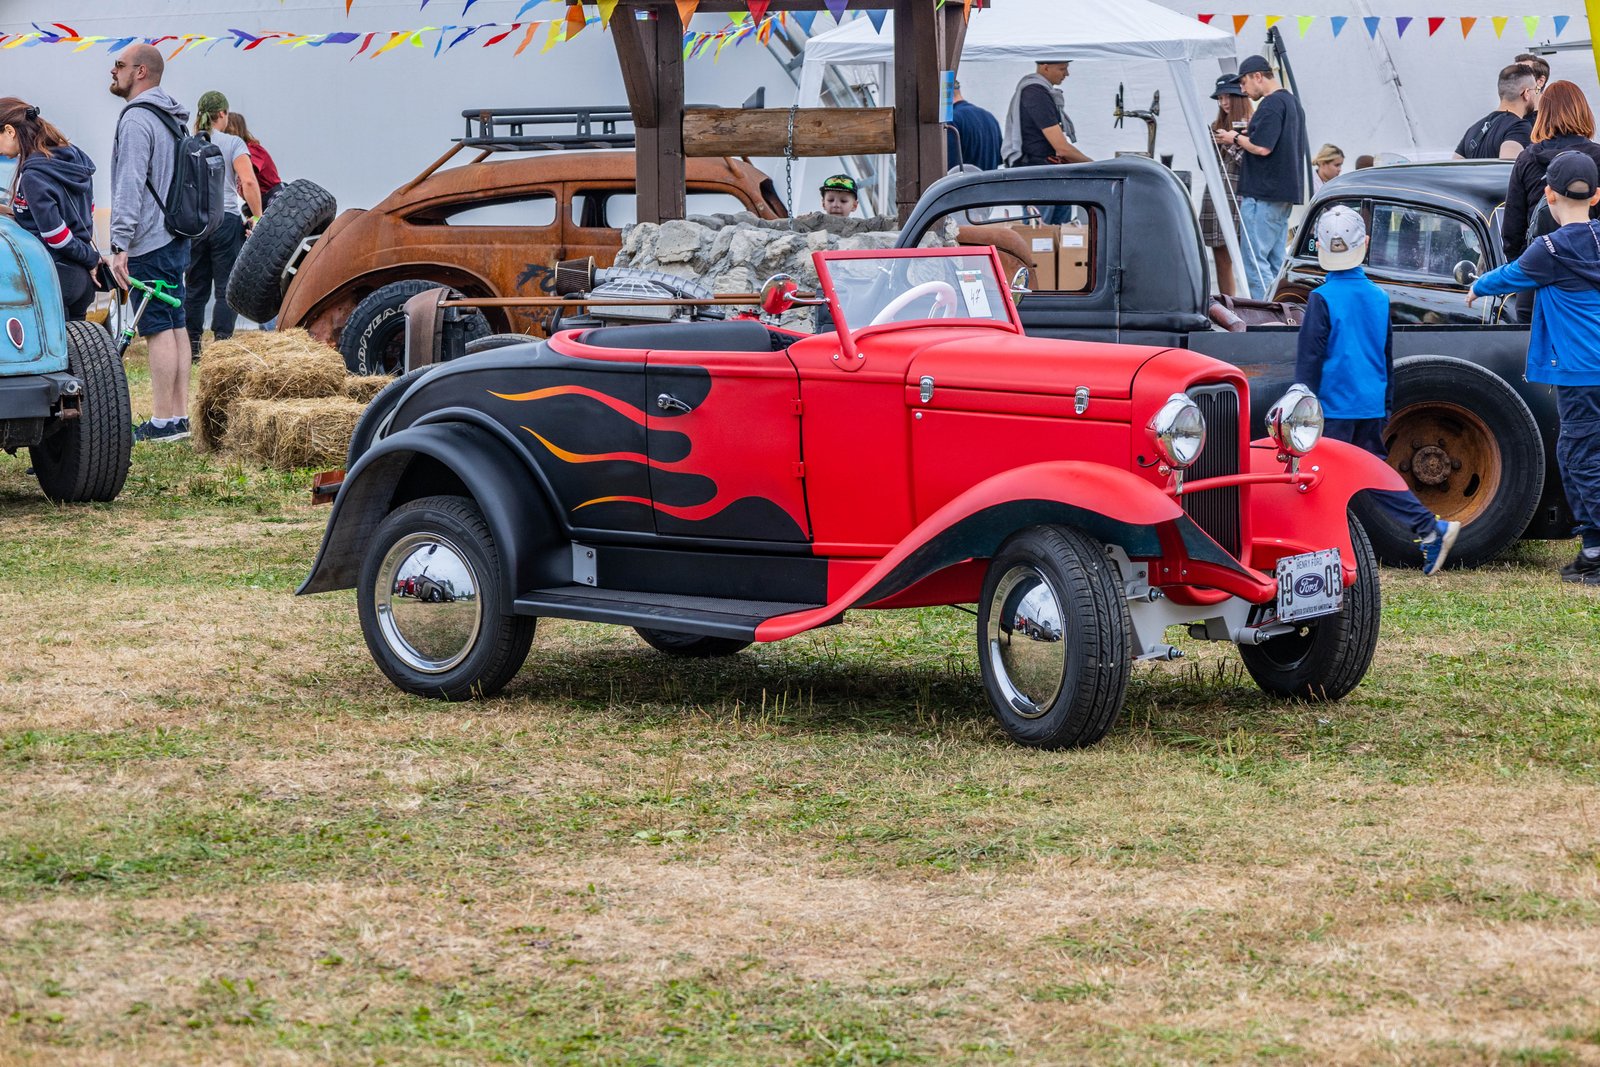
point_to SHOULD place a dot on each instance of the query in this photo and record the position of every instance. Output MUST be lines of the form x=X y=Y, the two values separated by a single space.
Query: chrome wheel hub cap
x=1024 y=641
x=427 y=599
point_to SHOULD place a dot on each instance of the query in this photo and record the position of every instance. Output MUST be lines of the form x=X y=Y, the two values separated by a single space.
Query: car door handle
x=668 y=402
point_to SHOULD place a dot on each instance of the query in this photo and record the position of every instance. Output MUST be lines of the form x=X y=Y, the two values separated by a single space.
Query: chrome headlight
x=1295 y=421
x=1180 y=431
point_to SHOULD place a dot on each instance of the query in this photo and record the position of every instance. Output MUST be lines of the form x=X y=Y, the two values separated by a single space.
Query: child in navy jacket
x=1346 y=357
x=1564 y=343
x=53 y=198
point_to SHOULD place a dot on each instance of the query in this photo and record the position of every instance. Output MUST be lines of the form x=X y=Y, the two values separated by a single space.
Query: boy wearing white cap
x=1346 y=357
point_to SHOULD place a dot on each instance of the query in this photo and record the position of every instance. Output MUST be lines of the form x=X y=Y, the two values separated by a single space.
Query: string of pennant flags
x=519 y=35
x=1373 y=24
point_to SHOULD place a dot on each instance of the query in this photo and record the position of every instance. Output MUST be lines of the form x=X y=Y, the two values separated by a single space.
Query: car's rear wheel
x=1325 y=658
x=1053 y=638
x=374 y=336
x=299 y=209
x=87 y=458
x=458 y=648
x=1467 y=445
x=690 y=646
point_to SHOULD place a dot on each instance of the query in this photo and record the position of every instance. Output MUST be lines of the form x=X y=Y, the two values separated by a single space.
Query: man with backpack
x=155 y=209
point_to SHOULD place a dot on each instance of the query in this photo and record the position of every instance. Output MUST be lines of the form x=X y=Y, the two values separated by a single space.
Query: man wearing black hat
x=1564 y=342
x=1272 y=174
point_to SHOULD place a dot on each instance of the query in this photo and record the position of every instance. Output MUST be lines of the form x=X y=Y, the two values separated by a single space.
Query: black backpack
x=194 y=201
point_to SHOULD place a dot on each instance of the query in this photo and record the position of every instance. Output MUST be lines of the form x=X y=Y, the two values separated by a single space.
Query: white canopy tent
x=1029 y=30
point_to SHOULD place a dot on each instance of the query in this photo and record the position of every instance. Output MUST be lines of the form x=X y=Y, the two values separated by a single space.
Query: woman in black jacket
x=1565 y=122
x=53 y=198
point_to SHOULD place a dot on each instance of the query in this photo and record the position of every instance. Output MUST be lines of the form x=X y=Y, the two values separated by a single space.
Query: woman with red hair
x=1565 y=123
x=52 y=198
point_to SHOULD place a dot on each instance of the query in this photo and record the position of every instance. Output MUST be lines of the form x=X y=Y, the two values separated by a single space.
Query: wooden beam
x=638 y=65
x=820 y=131
x=952 y=35
x=919 y=139
x=651 y=53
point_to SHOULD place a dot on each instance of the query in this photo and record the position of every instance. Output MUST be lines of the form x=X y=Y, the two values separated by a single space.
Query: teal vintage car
x=63 y=392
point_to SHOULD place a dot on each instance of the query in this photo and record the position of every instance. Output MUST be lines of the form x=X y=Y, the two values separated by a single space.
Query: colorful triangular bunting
x=1433 y=25
x=1206 y=18
x=1305 y=22
x=1338 y=22
x=1273 y=20
x=758 y=9
x=1531 y=24
x=836 y=8
x=1499 y=24
x=686 y=11
x=1371 y=22
x=1561 y=23
x=1466 y=26
x=1238 y=23
x=1401 y=24
x=877 y=18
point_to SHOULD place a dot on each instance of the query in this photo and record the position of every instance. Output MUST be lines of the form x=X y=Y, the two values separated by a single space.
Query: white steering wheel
x=943 y=293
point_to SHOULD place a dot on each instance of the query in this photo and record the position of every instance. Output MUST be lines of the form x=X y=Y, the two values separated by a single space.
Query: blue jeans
x=1264 y=226
x=1401 y=505
x=1578 y=455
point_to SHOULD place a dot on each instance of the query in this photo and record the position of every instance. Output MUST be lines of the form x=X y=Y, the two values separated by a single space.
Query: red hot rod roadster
x=716 y=483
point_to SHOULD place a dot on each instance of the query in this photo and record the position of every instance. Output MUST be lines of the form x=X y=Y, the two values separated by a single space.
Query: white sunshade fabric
x=1036 y=30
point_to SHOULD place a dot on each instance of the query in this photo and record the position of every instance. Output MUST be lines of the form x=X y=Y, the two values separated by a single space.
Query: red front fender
x=1290 y=519
x=1109 y=504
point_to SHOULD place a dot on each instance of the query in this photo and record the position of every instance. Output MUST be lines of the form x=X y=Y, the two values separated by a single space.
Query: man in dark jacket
x=1564 y=344
x=975 y=138
x=1504 y=132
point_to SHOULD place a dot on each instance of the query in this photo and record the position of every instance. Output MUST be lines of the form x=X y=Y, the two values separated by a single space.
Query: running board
x=707 y=615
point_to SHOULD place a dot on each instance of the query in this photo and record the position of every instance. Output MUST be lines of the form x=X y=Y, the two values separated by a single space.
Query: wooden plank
x=820 y=131
x=638 y=66
x=919 y=139
x=952 y=35
x=671 y=181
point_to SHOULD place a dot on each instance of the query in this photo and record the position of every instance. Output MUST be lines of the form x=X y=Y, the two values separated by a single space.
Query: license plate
x=1310 y=585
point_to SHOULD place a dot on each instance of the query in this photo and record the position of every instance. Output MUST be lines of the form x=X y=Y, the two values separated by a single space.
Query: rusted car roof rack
x=518 y=129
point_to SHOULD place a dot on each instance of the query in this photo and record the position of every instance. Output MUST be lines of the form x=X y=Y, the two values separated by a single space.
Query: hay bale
x=260 y=365
x=306 y=432
x=363 y=387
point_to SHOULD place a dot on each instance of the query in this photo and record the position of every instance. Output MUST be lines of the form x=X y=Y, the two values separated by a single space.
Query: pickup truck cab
x=1468 y=434
x=715 y=483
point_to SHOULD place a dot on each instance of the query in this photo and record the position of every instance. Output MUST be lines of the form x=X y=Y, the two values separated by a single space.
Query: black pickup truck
x=1472 y=438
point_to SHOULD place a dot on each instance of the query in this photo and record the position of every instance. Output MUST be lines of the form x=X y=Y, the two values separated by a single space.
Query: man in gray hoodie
x=142 y=160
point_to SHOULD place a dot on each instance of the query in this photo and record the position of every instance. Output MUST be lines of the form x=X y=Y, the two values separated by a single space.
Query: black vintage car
x=1473 y=439
x=1424 y=221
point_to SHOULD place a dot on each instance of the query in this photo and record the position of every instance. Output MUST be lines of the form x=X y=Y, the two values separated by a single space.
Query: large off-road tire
x=299 y=209
x=87 y=458
x=690 y=646
x=1467 y=445
x=1325 y=658
x=1053 y=638
x=374 y=337
x=498 y=340
x=458 y=649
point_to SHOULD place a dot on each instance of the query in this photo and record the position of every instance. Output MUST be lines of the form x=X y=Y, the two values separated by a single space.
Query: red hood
x=1010 y=363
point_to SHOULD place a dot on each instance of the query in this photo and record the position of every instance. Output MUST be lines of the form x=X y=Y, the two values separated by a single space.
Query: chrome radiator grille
x=1216 y=511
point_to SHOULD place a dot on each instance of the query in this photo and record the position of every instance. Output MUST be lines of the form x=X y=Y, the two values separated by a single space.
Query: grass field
x=225 y=838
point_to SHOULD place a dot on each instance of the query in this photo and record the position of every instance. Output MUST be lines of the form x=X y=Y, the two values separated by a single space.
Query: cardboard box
x=1072 y=269
x=1044 y=243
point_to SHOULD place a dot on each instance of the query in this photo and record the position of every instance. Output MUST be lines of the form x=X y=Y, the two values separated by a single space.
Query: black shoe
x=1584 y=568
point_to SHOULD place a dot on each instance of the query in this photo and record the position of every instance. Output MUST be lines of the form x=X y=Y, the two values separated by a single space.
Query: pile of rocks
x=737 y=253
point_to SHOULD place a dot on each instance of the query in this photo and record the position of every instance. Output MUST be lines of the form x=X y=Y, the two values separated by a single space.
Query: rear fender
x=1287 y=519
x=531 y=547
x=1110 y=505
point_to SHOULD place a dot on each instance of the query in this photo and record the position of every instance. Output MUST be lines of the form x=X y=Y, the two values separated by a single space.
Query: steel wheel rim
x=428 y=604
x=1429 y=434
x=1025 y=641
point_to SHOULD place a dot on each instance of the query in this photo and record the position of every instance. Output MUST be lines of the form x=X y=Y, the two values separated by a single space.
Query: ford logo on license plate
x=1308 y=585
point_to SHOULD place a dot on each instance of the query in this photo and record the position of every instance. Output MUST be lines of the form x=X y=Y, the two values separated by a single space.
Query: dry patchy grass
x=225 y=839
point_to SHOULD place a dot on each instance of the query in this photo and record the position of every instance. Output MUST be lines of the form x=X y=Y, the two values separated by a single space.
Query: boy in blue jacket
x=1564 y=344
x=1346 y=357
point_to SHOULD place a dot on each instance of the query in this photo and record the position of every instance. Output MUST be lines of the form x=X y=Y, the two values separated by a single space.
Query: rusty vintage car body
x=410 y=235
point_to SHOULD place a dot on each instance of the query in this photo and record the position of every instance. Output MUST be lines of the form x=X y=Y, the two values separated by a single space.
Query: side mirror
x=1019 y=285
x=781 y=293
x=1465 y=272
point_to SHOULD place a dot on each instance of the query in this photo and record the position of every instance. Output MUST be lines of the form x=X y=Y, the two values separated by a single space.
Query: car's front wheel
x=1325 y=658
x=466 y=646
x=1053 y=638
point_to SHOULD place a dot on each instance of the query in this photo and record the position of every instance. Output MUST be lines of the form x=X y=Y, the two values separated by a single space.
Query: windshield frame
x=848 y=334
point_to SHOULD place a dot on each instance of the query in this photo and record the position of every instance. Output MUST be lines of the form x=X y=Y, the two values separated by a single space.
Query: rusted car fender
x=1113 y=506
x=1286 y=520
x=444 y=458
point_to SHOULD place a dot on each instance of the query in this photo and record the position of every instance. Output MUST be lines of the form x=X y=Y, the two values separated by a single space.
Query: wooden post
x=919 y=139
x=651 y=54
